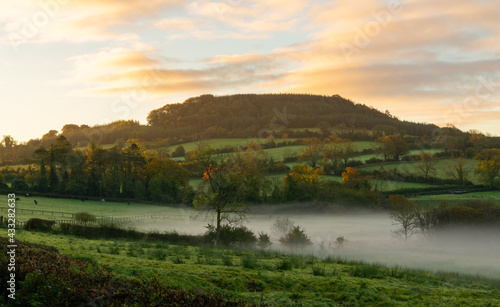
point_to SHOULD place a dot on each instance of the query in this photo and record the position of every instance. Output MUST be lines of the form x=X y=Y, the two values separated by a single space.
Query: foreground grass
x=277 y=278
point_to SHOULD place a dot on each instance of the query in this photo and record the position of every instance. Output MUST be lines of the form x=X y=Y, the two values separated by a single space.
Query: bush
x=296 y=238
x=264 y=240
x=230 y=236
x=84 y=217
x=39 y=224
x=179 y=152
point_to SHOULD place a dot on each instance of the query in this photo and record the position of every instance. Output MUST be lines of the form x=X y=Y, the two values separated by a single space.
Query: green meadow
x=276 y=278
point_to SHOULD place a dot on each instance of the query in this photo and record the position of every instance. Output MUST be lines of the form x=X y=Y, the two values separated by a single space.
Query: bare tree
x=458 y=169
x=403 y=215
x=282 y=226
x=426 y=163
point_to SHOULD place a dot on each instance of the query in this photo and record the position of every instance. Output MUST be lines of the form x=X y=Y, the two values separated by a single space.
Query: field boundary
x=110 y=219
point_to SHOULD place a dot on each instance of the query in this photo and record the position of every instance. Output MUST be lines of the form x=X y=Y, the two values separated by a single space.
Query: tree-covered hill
x=251 y=115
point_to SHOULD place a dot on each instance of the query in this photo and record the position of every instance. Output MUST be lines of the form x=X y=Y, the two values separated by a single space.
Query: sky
x=96 y=61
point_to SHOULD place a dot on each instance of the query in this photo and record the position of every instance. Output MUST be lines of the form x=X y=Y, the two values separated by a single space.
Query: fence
x=42 y=212
x=108 y=219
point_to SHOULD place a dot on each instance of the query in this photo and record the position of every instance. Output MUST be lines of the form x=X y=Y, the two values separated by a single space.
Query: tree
x=426 y=163
x=393 y=147
x=488 y=168
x=302 y=182
x=168 y=180
x=403 y=215
x=8 y=148
x=41 y=157
x=220 y=188
x=457 y=168
x=282 y=226
x=338 y=150
x=312 y=154
x=179 y=152
x=353 y=179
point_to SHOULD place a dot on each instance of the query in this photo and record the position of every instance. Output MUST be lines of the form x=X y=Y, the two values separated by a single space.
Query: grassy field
x=15 y=167
x=107 y=209
x=277 y=154
x=435 y=200
x=441 y=168
x=220 y=143
x=278 y=278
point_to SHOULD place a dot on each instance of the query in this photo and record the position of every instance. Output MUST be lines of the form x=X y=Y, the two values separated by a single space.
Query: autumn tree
x=426 y=163
x=488 y=167
x=393 y=147
x=220 y=190
x=302 y=182
x=250 y=165
x=313 y=153
x=353 y=179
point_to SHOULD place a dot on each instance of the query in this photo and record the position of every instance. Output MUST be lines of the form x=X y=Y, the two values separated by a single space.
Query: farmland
x=276 y=277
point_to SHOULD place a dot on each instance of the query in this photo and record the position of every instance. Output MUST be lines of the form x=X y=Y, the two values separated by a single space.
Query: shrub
x=39 y=224
x=264 y=240
x=231 y=236
x=296 y=238
x=84 y=217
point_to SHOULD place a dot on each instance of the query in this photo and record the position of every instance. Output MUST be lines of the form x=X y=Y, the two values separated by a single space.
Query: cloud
x=115 y=70
x=77 y=20
x=423 y=57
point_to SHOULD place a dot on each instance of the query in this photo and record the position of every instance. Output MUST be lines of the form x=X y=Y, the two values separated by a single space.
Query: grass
x=115 y=209
x=220 y=143
x=442 y=170
x=278 y=278
x=277 y=154
x=435 y=200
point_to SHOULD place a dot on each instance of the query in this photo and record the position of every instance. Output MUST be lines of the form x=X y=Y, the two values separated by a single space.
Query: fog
x=368 y=238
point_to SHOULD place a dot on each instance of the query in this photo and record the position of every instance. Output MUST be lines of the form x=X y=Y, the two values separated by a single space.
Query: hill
x=252 y=115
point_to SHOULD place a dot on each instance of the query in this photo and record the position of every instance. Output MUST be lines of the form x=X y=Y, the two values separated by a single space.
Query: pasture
x=106 y=209
x=278 y=277
x=441 y=168
x=220 y=143
x=369 y=235
x=435 y=200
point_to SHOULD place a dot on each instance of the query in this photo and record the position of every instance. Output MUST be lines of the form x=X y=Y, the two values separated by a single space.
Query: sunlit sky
x=96 y=61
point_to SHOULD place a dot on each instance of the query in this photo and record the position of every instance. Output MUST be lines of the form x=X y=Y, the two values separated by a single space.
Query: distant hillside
x=250 y=115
